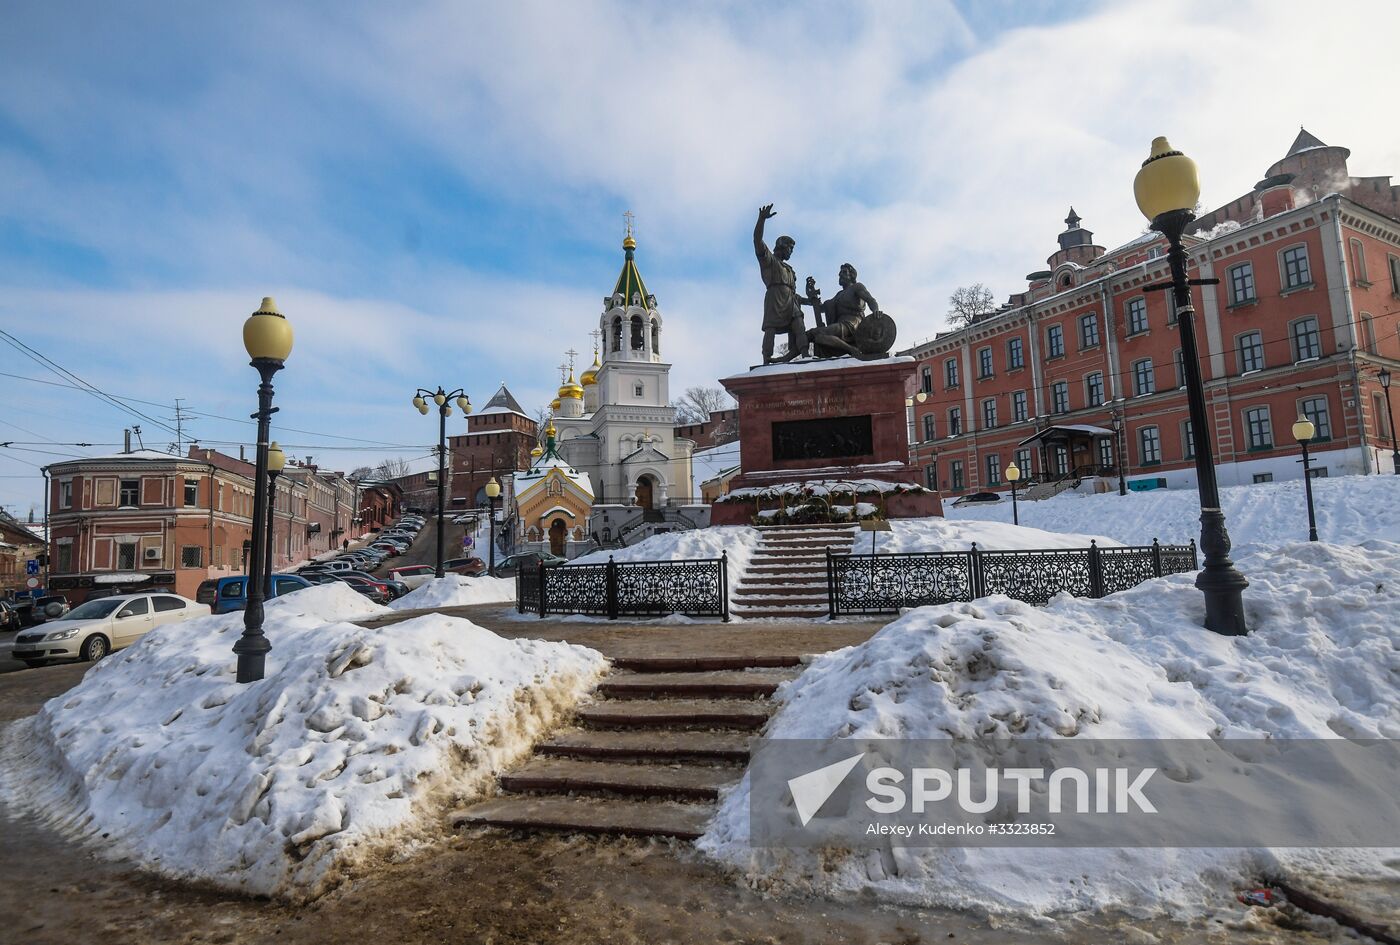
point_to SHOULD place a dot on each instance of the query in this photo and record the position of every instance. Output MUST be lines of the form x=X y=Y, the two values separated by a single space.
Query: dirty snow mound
x=1322 y=660
x=355 y=740
x=455 y=590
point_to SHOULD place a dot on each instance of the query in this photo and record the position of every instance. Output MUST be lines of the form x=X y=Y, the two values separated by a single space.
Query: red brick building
x=497 y=444
x=1305 y=315
x=722 y=426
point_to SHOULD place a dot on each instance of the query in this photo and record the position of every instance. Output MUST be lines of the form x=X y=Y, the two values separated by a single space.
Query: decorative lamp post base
x=1221 y=583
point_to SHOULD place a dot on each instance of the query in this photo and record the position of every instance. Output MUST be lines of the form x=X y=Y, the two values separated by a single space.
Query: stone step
x=703 y=664
x=782 y=588
x=801 y=529
x=767 y=611
x=721 y=683
x=648 y=745
x=663 y=713
x=813 y=597
x=804 y=541
x=589 y=815
x=696 y=782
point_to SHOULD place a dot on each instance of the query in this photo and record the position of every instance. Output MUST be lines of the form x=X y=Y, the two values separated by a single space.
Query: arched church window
x=655 y=337
x=638 y=333
x=617 y=333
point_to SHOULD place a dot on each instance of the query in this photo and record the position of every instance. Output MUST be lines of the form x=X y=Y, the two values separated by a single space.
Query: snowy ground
x=355 y=742
x=1322 y=661
x=1349 y=509
x=738 y=540
x=455 y=590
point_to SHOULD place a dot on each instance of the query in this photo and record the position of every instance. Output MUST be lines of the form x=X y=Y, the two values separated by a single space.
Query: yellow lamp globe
x=493 y=488
x=1166 y=182
x=267 y=335
x=439 y=398
x=1303 y=429
x=420 y=404
x=465 y=405
x=276 y=459
x=1013 y=473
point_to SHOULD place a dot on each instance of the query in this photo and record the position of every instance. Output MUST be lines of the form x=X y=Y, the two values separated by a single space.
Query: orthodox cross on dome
x=572 y=354
x=563 y=368
x=597 y=336
x=628 y=216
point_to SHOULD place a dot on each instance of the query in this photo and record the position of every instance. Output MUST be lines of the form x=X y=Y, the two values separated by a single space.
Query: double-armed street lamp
x=1167 y=189
x=1013 y=476
x=267 y=336
x=493 y=492
x=1303 y=430
x=443 y=401
x=1390 y=421
x=276 y=462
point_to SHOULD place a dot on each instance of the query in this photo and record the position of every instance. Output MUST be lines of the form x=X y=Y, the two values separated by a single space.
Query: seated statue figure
x=841 y=314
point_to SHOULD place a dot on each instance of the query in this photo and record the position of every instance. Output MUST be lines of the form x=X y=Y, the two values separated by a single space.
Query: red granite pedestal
x=829 y=422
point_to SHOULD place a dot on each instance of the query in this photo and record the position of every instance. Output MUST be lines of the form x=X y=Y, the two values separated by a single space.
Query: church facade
x=615 y=422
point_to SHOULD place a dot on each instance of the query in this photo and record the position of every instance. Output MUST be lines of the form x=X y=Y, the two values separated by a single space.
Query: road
x=424 y=547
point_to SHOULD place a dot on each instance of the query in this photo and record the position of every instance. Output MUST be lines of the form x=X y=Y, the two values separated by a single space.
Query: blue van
x=227 y=594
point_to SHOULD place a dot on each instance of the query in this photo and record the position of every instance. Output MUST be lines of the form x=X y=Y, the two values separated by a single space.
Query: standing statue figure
x=781 y=307
x=844 y=312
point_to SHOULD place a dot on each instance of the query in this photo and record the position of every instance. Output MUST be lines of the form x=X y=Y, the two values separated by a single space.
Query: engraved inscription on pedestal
x=833 y=438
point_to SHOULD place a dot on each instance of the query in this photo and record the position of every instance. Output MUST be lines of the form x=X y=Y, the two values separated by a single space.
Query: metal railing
x=696 y=588
x=883 y=583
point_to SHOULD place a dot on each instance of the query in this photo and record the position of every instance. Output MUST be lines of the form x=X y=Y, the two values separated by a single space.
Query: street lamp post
x=1122 y=457
x=444 y=406
x=1303 y=431
x=1390 y=422
x=276 y=461
x=1167 y=189
x=1013 y=476
x=267 y=336
x=493 y=492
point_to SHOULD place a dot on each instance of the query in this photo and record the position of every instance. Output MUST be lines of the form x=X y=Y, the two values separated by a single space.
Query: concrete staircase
x=650 y=757
x=787 y=575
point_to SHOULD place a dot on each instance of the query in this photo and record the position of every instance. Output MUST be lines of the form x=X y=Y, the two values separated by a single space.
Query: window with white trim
x=65 y=493
x=1188 y=440
x=130 y=493
x=1088 y=330
x=1136 y=315
x=1307 y=340
x=984 y=362
x=1295 y=267
x=1249 y=352
x=926 y=380
x=1241 y=279
x=956 y=471
x=1258 y=430
x=989 y=413
x=1105 y=452
x=1015 y=354
x=1018 y=406
x=1023 y=462
x=1055 y=341
x=1059 y=397
x=1358 y=262
x=928 y=426
x=993 y=469
x=1149 y=446
x=950 y=372
x=954 y=421
x=1143 y=379
x=1093 y=389
x=1315 y=409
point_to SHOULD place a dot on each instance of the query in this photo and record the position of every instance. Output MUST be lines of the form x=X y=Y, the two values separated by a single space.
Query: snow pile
x=1349 y=509
x=456 y=590
x=1322 y=661
x=809 y=488
x=740 y=541
x=940 y=534
x=355 y=741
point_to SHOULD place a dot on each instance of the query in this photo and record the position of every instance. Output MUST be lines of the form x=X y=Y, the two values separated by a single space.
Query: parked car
x=506 y=567
x=37 y=610
x=396 y=588
x=226 y=594
x=336 y=564
x=471 y=567
x=973 y=497
x=97 y=627
x=379 y=593
x=413 y=575
x=390 y=549
x=9 y=616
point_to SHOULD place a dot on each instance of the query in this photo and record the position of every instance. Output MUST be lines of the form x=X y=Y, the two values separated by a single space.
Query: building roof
x=502 y=402
x=629 y=281
x=1303 y=142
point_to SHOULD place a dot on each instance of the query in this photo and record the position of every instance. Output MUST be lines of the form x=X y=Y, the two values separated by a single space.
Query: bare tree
x=360 y=472
x=395 y=468
x=696 y=405
x=969 y=303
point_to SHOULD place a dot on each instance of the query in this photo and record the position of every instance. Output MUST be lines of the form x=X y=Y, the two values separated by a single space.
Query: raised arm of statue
x=764 y=212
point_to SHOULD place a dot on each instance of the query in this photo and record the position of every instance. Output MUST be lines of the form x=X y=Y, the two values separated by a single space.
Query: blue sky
x=434 y=191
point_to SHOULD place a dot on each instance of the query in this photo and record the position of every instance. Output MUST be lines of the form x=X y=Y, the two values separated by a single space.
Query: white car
x=97 y=627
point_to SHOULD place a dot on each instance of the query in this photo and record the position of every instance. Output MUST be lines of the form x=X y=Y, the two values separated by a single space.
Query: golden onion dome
x=571 y=389
x=590 y=376
x=537 y=452
x=554 y=404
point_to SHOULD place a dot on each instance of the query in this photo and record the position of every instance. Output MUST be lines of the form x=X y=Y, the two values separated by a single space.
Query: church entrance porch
x=646 y=493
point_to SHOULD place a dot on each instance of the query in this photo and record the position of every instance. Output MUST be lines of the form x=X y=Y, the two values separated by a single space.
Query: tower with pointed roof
x=616 y=422
x=497 y=444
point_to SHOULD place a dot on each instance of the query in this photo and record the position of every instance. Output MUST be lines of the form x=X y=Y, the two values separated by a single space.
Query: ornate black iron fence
x=883 y=583
x=697 y=588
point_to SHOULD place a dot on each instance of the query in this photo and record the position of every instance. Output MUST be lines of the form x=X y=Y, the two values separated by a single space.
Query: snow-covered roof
x=1083 y=428
x=121 y=577
x=502 y=402
x=819 y=364
x=527 y=482
x=706 y=464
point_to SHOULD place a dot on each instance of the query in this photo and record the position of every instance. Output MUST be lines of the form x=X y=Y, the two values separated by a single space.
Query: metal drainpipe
x=1355 y=333
x=48 y=530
